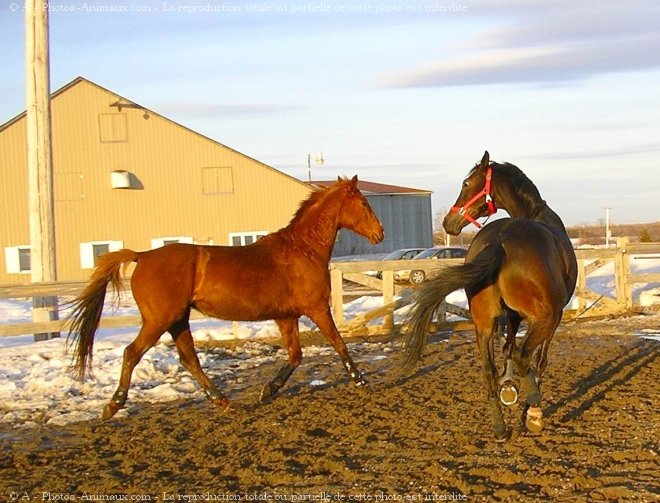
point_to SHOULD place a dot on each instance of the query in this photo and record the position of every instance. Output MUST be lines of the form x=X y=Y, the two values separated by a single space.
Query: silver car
x=402 y=254
x=419 y=275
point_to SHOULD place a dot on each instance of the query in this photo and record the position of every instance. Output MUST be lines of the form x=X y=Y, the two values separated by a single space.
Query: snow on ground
x=37 y=387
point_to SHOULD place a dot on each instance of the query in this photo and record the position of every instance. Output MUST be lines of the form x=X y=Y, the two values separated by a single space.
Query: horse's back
x=198 y=260
x=537 y=272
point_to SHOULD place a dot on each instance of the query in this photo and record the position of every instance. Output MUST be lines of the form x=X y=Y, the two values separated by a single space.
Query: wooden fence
x=355 y=272
x=590 y=303
x=591 y=260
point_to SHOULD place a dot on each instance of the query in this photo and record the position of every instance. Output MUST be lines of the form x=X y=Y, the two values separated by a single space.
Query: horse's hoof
x=109 y=410
x=504 y=435
x=508 y=394
x=361 y=381
x=534 y=419
x=224 y=404
x=267 y=392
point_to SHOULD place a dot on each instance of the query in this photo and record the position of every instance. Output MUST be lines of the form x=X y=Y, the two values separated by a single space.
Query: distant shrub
x=645 y=236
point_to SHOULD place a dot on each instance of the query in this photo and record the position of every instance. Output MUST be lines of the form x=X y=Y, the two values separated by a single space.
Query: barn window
x=159 y=242
x=245 y=238
x=113 y=128
x=90 y=252
x=217 y=180
x=18 y=259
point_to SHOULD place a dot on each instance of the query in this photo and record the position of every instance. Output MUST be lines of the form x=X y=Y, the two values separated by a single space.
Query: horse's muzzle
x=454 y=223
x=377 y=236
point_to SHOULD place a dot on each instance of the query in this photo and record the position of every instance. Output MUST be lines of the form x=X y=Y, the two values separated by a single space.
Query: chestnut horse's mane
x=318 y=194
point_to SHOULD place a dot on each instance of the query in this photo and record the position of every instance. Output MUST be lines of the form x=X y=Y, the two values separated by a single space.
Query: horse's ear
x=485 y=160
x=338 y=178
x=354 y=180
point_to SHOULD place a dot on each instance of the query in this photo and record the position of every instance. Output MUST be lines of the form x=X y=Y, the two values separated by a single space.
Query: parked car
x=403 y=254
x=418 y=275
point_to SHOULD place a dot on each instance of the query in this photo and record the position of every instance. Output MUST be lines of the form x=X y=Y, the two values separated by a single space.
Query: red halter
x=462 y=210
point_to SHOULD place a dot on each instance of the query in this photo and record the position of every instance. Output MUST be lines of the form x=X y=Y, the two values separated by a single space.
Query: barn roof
x=367 y=188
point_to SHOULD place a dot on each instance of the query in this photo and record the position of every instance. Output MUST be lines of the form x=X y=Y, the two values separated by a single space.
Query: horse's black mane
x=522 y=185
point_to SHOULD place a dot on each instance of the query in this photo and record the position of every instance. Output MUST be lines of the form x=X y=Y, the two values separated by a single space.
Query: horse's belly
x=245 y=308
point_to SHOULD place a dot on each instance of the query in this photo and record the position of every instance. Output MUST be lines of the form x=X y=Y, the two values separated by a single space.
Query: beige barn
x=125 y=176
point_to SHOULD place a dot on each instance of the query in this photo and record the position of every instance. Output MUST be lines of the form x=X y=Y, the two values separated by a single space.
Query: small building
x=125 y=176
x=405 y=213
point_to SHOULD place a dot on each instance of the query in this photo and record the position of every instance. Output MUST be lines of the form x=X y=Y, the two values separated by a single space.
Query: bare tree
x=439 y=234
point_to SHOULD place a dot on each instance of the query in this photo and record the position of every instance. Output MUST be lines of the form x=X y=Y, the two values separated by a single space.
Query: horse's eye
x=466 y=183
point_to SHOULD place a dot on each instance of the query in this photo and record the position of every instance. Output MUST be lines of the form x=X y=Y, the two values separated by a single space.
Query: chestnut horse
x=282 y=277
x=523 y=266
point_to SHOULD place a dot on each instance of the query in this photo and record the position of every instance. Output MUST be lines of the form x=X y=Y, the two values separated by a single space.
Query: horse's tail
x=88 y=306
x=432 y=293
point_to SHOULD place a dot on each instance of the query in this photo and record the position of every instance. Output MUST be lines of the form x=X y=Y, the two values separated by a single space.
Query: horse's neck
x=316 y=231
x=538 y=211
x=547 y=216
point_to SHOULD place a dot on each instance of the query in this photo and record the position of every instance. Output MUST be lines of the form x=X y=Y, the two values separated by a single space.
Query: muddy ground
x=423 y=436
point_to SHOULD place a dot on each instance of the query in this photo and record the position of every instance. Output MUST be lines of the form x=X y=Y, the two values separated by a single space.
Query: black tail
x=88 y=306
x=431 y=294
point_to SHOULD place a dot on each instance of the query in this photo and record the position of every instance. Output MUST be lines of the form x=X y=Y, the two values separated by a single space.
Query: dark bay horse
x=282 y=277
x=523 y=266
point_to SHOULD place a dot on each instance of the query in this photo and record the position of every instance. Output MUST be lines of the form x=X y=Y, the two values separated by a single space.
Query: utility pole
x=319 y=161
x=608 y=232
x=40 y=161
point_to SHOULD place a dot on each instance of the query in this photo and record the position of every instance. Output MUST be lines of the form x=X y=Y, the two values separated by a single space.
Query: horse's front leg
x=532 y=412
x=538 y=334
x=326 y=324
x=291 y=337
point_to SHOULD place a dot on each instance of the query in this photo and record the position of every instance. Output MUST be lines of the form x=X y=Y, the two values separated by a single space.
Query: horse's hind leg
x=487 y=352
x=185 y=346
x=291 y=336
x=485 y=308
x=147 y=337
x=513 y=321
x=508 y=387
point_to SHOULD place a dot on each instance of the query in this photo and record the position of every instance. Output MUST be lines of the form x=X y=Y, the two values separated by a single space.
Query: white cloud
x=546 y=41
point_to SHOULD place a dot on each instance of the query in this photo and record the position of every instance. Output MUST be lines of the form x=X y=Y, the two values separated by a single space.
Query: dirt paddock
x=422 y=437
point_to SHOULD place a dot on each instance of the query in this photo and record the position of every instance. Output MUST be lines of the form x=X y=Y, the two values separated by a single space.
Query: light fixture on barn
x=121 y=103
x=319 y=162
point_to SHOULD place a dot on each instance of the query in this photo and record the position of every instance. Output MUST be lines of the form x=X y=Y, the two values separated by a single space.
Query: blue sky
x=409 y=92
